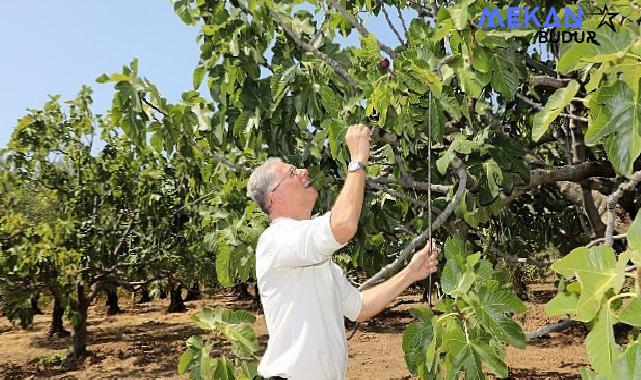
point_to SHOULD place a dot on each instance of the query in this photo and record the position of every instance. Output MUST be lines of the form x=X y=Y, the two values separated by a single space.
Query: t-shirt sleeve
x=312 y=244
x=352 y=299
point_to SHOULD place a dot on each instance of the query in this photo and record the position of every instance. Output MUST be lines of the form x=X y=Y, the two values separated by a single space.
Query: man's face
x=293 y=186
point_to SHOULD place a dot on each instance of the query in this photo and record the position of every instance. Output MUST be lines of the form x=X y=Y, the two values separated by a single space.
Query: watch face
x=354 y=165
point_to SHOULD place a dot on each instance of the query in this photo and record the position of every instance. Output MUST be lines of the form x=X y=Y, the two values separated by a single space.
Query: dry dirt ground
x=146 y=342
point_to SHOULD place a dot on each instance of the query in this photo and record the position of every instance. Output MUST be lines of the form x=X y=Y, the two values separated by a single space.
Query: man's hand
x=424 y=262
x=357 y=140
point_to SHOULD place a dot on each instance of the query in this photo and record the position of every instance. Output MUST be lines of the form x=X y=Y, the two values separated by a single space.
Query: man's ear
x=274 y=198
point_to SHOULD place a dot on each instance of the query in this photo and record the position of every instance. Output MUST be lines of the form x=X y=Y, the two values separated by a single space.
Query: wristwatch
x=355 y=166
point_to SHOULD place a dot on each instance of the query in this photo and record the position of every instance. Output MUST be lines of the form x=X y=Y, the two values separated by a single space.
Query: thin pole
x=429 y=193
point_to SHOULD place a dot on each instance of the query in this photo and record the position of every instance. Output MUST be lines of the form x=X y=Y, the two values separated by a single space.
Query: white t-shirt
x=305 y=296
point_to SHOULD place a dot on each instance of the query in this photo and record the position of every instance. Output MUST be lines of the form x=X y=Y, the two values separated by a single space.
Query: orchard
x=516 y=148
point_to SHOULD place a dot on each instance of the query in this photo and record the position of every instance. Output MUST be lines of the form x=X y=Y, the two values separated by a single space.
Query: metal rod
x=429 y=193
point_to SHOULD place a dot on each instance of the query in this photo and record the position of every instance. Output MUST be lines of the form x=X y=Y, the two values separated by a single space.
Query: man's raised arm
x=347 y=208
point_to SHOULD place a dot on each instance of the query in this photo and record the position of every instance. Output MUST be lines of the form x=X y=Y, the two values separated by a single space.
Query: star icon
x=607 y=18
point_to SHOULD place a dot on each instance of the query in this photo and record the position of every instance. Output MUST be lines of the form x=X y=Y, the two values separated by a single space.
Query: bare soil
x=146 y=342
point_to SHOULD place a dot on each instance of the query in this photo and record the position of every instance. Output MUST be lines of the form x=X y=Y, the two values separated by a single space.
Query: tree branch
x=398 y=194
x=579 y=156
x=549 y=82
x=600 y=240
x=635 y=178
x=130 y=227
x=412 y=184
x=408 y=250
x=546 y=329
x=572 y=173
x=522 y=260
x=400 y=16
x=360 y=28
x=217 y=157
x=391 y=25
x=312 y=49
x=539 y=66
x=540 y=107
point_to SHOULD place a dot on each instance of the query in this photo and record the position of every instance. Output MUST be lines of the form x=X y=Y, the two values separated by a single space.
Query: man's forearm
x=378 y=297
x=347 y=208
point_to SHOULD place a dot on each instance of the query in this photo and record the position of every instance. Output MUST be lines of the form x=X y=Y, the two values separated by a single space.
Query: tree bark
x=35 y=310
x=257 y=303
x=112 y=301
x=573 y=173
x=193 y=293
x=243 y=291
x=579 y=156
x=177 y=305
x=574 y=193
x=80 y=306
x=144 y=295
x=57 y=329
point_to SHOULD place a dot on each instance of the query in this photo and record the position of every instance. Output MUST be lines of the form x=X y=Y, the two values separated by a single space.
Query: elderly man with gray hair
x=305 y=295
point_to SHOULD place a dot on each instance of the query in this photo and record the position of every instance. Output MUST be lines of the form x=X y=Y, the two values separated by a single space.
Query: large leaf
x=490 y=358
x=600 y=342
x=242 y=338
x=554 y=106
x=223 y=268
x=628 y=365
x=634 y=240
x=381 y=98
x=457 y=279
x=505 y=72
x=597 y=272
x=467 y=361
x=612 y=45
x=616 y=113
x=224 y=370
x=631 y=314
x=491 y=309
x=416 y=338
x=563 y=303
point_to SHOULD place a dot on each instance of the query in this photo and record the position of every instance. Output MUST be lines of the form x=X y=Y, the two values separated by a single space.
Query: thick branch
x=635 y=178
x=601 y=240
x=539 y=66
x=572 y=173
x=312 y=49
x=522 y=260
x=412 y=184
x=549 y=82
x=551 y=327
x=130 y=227
x=360 y=28
x=395 y=266
x=579 y=156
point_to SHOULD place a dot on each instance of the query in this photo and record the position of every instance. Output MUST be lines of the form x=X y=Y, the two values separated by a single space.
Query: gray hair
x=261 y=179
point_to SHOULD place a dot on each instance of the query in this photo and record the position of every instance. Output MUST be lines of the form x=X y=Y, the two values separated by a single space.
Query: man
x=304 y=294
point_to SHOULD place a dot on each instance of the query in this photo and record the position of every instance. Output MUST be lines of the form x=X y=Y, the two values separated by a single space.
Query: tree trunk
x=57 y=329
x=112 y=301
x=242 y=290
x=80 y=337
x=257 y=304
x=35 y=310
x=177 y=304
x=163 y=294
x=193 y=293
x=144 y=295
